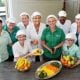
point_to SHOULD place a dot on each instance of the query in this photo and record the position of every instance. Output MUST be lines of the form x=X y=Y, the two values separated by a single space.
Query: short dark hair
x=0 y=21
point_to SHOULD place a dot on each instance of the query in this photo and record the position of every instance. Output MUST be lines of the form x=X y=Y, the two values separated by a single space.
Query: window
x=2 y=10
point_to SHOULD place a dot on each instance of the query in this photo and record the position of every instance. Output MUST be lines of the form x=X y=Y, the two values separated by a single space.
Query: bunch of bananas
x=23 y=64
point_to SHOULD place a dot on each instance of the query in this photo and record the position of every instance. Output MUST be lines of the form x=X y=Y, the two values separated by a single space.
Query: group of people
x=56 y=37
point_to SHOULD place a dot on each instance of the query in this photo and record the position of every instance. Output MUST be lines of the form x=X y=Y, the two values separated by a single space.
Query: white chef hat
x=62 y=13
x=11 y=20
x=20 y=32
x=24 y=13
x=50 y=16
x=71 y=36
x=77 y=16
x=36 y=13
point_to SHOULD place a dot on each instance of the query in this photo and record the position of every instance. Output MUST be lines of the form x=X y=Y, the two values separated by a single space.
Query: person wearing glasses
x=70 y=48
x=12 y=29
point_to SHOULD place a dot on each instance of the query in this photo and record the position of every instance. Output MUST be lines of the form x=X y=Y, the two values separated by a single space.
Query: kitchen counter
x=8 y=72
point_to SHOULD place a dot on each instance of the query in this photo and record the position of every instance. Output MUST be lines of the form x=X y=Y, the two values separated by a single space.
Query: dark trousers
x=37 y=59
x=11 y=58
x=45 y=58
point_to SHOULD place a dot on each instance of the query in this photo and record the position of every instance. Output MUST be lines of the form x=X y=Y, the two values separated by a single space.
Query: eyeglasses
x=69 y=40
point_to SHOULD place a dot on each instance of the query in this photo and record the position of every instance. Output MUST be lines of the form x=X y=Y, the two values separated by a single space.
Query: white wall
x=72 y=8
x=46 y=7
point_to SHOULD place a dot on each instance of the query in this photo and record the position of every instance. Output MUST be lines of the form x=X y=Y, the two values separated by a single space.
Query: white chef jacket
x=66 y=26
x=18 y=50
x=74 y=30
x=32 y=34
x=21 y=26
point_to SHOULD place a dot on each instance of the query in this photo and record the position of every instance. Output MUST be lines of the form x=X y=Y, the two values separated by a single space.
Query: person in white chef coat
x=34 y=31
x=22 y=46
x=75 y=28
x=63 y=22
x=25 y=21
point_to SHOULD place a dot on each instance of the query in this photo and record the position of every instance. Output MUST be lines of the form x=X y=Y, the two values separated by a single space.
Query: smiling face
x=77 y=21
x=62 y=19
x=52 y=22
x=25 y=19
x=69 y=42
x=21 y=38
x=36 y=20
x=10 y=25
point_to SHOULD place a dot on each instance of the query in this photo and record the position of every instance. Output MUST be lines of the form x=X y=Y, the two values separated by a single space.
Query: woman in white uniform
x=75 y=28
x=34 y=31
x=22 y=46
x=25 y=21
x=63 y=22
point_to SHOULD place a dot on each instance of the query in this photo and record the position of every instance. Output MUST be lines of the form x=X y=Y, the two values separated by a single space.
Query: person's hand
x=73 y=66
x=54 y=50
x=35 y=42
x=76 y=64
x=50 y=50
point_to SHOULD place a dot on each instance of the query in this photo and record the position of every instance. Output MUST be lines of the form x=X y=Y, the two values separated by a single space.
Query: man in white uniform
x=63 y=22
